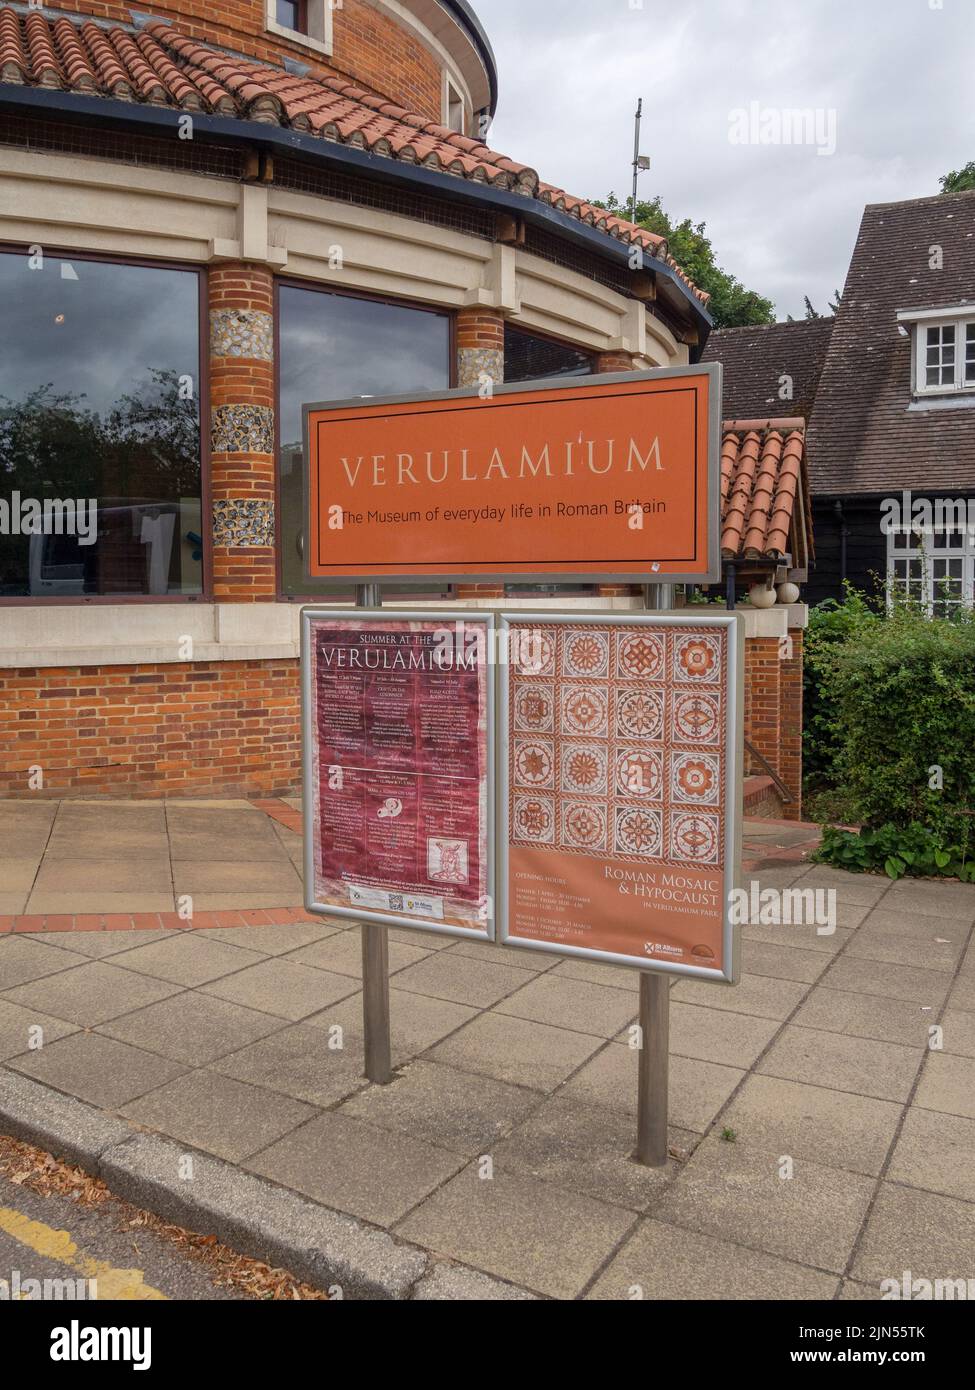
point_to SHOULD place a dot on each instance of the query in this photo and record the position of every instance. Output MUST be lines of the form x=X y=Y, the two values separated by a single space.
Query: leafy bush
x=896 y=732
x=831 y=625
x=914 y=851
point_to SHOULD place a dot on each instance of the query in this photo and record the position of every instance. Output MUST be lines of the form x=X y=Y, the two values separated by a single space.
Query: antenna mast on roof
x=641 y=162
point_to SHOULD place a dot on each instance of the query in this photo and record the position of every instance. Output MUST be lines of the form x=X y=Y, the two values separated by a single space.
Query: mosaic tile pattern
x=242 y=333
x=242 y=429
x=472 y=362
x=243 y=521
x=616 y=734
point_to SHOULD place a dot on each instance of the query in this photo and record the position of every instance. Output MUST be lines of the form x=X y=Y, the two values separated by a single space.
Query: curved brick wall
x=369 y=47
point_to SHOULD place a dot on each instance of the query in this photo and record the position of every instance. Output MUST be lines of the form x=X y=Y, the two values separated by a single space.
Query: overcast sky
x=895 y=75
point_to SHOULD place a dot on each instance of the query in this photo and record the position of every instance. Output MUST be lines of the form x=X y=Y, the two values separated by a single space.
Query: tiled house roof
x=863 y=438
x=764 y=491
x=157 y=65
x=756 y=358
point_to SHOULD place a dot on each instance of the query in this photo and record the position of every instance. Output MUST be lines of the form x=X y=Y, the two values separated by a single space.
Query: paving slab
x=782 y=962
x=803 y=938
x=844 y=1063
x=529 y=1232
x=867 y=1016
x=25 y=958
x=517 y=1050
x=575 y=1004
x=97 y=1069
x=716 y=1035
x=811 y=1122
x=441 y=1105
x=299 y=1061
x=90 y=993
x=342 y=954
x=25 y=826
x=959 y=1032
x=219 y=879
x=271 y=941
x=894 y=948
x=88 y=877
x=60 y=1125
x=187 y=959
x=479 y=983
x=948 y=1085
x=812 y=1218
x=661 y=1262
x=698 y=1090
x=912 y=983
x=82 y=837
x=963 y=993
x=619 y=976
x=936 y=1152
x=446 y=1283
x=931 y=1236
x=218 y=1114
x=941 y=900
x=281 y=987
x=589 y=1149
x=21 y=1029
x=417 y=1021
x=756 y=994
x=858 y=889
x=98 y=944
x=256 y=844
x=376 y=1174
x=191 y=1028
x=536 y=962
x=18 y=875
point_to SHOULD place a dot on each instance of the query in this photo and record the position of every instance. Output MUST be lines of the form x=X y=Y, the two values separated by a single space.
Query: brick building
x=209 y=216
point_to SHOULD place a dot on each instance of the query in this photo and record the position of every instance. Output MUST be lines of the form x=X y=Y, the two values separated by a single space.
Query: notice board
x=398 y=732
x=605 y=477
x=620 y=776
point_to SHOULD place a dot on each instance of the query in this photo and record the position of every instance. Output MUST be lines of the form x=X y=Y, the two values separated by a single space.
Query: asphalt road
x=52 y=1238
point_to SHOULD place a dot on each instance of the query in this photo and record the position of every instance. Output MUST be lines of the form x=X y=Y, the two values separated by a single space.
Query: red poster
x=399 y=771
x=621 y=747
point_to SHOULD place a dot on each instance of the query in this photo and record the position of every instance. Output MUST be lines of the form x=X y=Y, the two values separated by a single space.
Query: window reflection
x=333 y=348
x=100 y=477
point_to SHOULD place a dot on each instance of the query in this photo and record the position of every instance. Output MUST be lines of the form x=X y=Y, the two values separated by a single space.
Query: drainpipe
x=844 y=532
x=731 y=601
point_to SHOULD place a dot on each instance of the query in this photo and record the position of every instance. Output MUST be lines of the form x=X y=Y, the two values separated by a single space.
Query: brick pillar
x=790 y=721
x=763 y=672
x=480 y=355
x=615 y=362
x=242 y=431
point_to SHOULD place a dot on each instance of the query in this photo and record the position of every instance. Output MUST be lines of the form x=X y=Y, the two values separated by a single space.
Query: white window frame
x=319 y=35
x=453 y=96
x=930 y=553
x=958 y=322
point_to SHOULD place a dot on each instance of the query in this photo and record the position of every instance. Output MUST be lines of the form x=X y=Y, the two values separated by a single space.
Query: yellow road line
x=58 y=1245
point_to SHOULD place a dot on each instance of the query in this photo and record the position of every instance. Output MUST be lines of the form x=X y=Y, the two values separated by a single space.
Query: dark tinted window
x=100 y=479
x=335 y=348
x=529 y=358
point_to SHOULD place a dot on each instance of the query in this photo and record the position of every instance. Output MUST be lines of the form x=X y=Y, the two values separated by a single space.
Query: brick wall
x=368 y=45
x=773 y=711
x=202 y=729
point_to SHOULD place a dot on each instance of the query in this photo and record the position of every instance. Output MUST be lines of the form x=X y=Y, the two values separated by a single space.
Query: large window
x=934 y=568
x=100 y=457
x=527 y=357
x=332 y=348
x=945 y=357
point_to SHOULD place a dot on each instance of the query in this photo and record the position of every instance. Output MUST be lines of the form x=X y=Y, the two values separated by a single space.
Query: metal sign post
x=375 y=950
x=653 y=1078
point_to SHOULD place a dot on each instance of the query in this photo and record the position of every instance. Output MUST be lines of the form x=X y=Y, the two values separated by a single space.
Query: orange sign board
x=597 y=477
x=619 y=811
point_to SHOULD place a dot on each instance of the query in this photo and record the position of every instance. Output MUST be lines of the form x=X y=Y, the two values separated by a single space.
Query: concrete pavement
x=820 y=1142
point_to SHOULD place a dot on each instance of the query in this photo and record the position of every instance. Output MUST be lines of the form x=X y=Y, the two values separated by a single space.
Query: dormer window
x=943 y=350
x=305 y=22
x=291 y=14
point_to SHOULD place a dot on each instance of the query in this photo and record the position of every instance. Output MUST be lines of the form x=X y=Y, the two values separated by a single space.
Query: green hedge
x=893 y=726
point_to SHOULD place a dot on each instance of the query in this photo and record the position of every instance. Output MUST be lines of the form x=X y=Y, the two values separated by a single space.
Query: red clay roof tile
x=162 y=66
x=763 y=470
